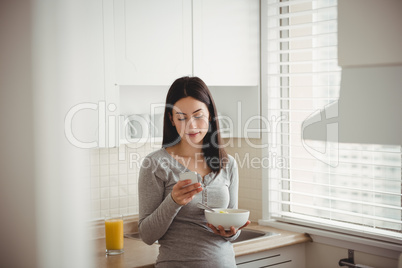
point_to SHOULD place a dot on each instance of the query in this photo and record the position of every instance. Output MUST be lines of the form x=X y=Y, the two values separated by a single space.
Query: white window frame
x=340 y=237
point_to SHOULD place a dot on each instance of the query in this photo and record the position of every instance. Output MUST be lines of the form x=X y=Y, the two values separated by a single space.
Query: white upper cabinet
x=150 y=43
x=226 y=42
x=153 y=41
x=157 y=41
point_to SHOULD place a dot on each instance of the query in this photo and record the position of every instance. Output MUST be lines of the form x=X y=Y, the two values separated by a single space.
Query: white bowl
x=233 y=217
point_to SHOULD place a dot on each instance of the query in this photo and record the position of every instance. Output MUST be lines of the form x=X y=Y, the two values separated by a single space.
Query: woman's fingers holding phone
x=183 y=194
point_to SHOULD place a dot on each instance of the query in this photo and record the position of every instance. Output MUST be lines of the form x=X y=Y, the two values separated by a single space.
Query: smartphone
x=189 y=176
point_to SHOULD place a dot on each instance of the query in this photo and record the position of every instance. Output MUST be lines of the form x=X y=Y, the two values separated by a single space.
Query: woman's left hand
x=221 y=231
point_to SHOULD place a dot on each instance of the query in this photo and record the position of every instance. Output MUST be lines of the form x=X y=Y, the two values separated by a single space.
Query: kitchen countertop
x=138 y=254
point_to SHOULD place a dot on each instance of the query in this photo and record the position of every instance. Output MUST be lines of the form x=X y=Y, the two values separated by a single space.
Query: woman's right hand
x=183 y=194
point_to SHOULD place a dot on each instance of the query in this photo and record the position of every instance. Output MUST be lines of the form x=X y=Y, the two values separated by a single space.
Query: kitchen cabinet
x=153 y=41
x=285 y=257
x=226 y=42
x=150 y=43
x=157 y=41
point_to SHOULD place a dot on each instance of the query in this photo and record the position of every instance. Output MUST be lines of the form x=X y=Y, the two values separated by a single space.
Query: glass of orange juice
x=114 y=234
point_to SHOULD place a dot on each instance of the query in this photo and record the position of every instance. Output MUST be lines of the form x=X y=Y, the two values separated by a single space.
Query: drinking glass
x=114 y=234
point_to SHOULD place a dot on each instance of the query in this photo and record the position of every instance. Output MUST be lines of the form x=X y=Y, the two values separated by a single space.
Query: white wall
x=61 y=66
x=48 y=64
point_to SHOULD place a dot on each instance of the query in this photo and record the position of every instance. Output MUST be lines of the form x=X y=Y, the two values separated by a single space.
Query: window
x=354 y=187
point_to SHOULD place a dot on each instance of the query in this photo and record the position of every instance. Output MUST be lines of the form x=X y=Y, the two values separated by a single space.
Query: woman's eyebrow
x=186 y=114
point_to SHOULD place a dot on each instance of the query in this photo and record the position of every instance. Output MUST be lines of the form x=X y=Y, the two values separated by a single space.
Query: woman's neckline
x=174 y=159
x=184 y=167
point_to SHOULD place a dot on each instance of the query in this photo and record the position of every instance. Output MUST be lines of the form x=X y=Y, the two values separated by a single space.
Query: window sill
x=343 y=240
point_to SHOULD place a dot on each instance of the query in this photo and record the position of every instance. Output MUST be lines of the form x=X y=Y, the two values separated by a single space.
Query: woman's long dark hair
x=214 y=154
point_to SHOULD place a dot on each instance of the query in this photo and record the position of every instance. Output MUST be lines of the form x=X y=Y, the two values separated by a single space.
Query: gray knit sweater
x=184 y=238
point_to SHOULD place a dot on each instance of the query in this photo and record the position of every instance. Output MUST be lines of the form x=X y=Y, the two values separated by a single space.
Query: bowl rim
x=238 y=211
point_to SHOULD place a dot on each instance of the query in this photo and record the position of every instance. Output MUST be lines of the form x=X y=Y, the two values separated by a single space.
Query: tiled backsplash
x=114 y=178
x=248 y=159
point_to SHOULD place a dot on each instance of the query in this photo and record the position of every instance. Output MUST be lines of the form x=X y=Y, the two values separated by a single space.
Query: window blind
x=354 y=187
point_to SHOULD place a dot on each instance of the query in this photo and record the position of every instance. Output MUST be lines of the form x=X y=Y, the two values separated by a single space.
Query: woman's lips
x=193 y=134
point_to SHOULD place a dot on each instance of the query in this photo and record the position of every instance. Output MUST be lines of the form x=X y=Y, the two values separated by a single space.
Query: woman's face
x=191 y=119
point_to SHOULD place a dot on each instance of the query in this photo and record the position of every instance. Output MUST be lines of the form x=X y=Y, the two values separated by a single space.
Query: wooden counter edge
x=285 y=238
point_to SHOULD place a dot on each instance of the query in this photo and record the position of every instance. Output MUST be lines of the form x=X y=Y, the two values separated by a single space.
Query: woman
x=168 y=211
